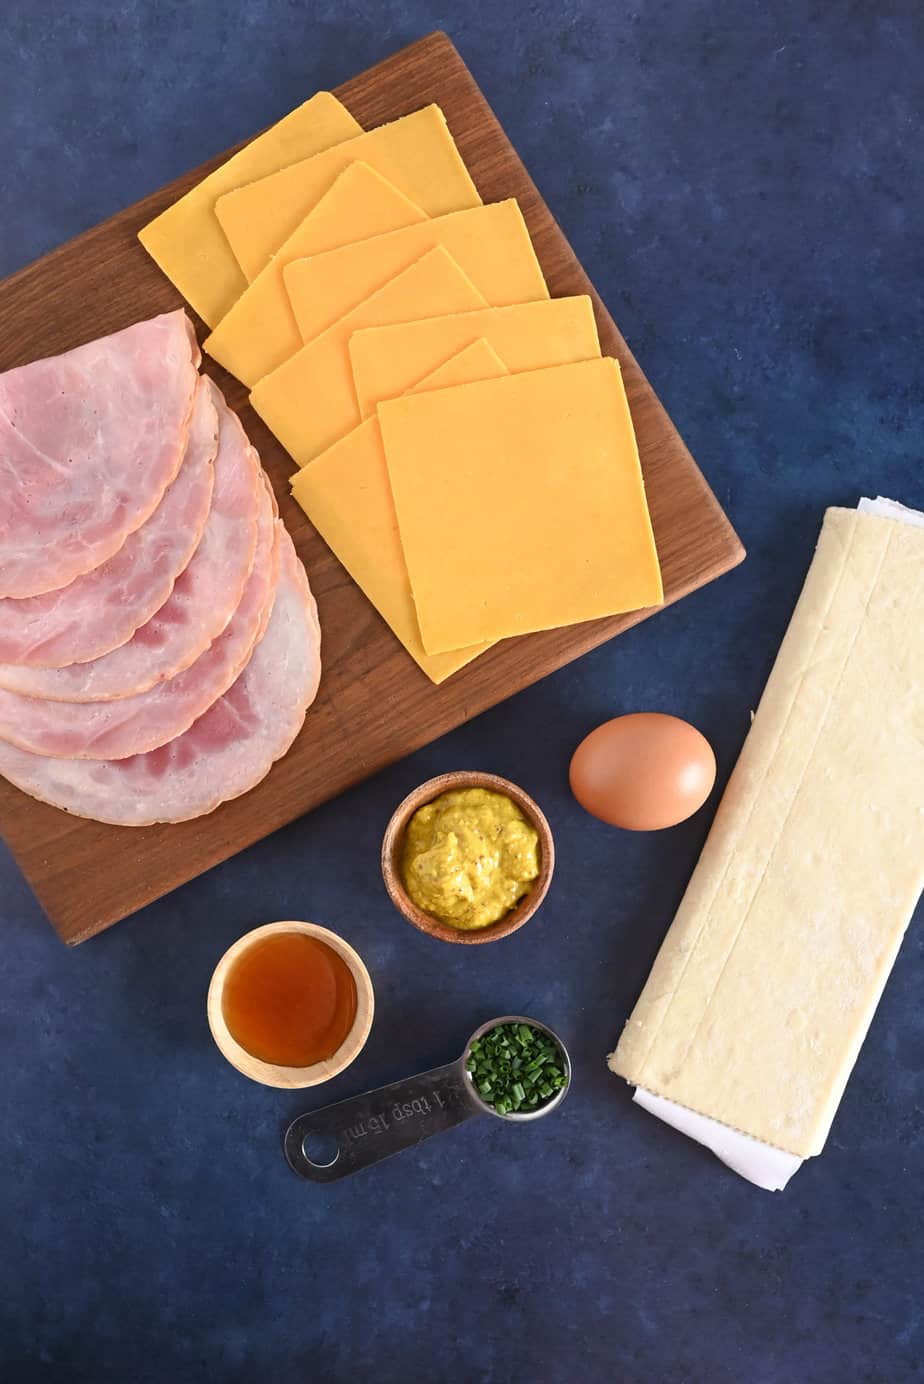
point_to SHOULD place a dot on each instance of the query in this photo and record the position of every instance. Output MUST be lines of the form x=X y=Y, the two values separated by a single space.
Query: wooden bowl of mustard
x=474 y=866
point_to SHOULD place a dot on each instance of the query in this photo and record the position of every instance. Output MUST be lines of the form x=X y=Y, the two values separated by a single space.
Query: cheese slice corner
x=347 y=496
x=310 y=401
x=387 y=360
x=260 y=332
x=491 y=243
x=417 y=154
x=186 y=240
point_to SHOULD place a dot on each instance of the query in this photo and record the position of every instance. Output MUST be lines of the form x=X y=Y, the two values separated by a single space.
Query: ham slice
x=89 y=442
x=134 y=725
x=200 y=605
x=100 y=610
x=224 y=754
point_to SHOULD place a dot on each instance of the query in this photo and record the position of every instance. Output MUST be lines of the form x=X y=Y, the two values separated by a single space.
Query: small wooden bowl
x=267 y=1073
x=393 y=845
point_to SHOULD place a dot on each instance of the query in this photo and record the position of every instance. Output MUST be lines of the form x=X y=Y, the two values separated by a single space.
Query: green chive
x=515 y=1067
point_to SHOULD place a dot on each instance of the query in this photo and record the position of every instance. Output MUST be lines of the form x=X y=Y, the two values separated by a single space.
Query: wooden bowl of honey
x=393 y=853
x=290 y=1004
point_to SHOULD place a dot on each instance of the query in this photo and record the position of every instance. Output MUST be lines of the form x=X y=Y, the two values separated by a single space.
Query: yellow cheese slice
x=416 y=153
x=388 y=360
x=520 y=504
x=186 y=239
x=491 y=244
x=347 y=496
x=310 y=402
x=260 y=331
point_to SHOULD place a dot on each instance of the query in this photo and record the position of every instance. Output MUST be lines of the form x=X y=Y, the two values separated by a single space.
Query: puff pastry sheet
x=762 y=993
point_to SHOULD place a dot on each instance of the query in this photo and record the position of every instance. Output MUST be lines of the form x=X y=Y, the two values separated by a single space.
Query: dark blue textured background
x=743 y=182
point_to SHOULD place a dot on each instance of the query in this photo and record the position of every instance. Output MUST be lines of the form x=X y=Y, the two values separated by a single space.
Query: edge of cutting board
x=375 y=706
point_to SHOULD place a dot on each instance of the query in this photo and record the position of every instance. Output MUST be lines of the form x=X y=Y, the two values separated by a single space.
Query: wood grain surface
x=374 y=705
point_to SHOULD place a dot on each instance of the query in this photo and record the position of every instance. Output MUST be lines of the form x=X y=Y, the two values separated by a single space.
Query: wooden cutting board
x=374 y=705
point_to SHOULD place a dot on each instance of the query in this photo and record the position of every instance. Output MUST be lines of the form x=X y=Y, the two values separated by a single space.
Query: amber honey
x=289 y=999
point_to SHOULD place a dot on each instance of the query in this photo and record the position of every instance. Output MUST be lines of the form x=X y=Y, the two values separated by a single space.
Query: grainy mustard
x=469 y=856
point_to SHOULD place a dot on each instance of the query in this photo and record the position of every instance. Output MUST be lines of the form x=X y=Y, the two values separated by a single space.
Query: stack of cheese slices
x=159 y=644
x=461 y=444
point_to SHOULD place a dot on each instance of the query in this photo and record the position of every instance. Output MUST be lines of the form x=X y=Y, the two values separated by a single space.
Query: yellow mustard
x=469 y=856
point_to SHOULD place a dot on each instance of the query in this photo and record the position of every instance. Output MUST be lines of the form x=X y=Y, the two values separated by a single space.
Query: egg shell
x=643 y=772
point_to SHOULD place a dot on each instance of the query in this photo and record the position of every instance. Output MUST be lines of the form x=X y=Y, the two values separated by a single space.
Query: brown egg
x=643 y=772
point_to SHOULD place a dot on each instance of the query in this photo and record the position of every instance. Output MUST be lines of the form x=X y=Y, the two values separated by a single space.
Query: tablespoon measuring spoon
x=367 y=1128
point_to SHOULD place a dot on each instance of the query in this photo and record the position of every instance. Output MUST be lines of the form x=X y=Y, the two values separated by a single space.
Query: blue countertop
x=743 y=183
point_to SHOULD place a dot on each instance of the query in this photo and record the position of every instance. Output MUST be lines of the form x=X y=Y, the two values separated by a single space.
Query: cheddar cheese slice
x=520 y=504
x=347 y=496
x=309 y=402
x=186 y=239
x=417 y=154
x=491 y=244
x=388 y=360
x=260 y=331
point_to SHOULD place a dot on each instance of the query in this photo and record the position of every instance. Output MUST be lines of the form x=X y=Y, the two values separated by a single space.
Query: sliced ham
x=134 y=725
x=225 y=753
x=102 y=609
x=89 y=442
x=202 y=600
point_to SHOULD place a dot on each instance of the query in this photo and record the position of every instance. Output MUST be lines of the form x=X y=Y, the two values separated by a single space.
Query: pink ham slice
x=202 y=601
x=89 y=442
x=228 y=750
x=100 y=610
x=134 y=725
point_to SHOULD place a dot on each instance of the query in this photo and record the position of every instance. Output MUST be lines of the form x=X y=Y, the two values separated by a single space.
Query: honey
x=289 y=999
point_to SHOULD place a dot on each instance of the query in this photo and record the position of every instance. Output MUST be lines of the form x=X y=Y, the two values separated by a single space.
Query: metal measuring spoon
x=375 y=1125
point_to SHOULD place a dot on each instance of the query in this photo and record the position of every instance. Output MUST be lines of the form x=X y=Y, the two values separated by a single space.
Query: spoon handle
x=375 y=1125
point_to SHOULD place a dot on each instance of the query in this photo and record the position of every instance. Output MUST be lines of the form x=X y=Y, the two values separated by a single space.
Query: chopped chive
x=515 y=1067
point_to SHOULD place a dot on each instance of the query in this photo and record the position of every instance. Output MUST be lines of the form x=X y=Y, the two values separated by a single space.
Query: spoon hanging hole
x=322 y=1150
